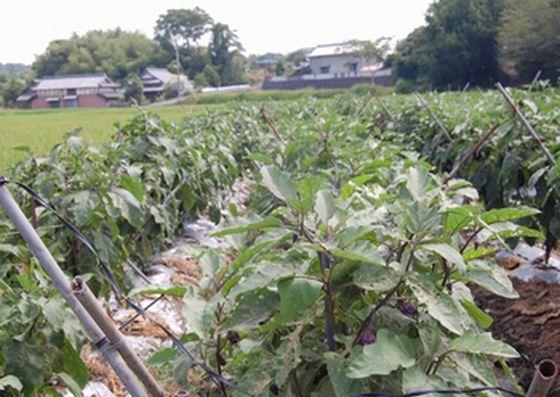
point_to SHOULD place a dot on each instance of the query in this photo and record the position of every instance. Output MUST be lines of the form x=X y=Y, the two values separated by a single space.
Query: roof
x=328 y=50
x=164 y=75
x=25 y=98
x=73 y=81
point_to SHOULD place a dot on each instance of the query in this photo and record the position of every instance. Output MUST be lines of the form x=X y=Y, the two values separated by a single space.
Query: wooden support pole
x=467 y=157
x=525 y=122
x=115 y=337
x=61 y=282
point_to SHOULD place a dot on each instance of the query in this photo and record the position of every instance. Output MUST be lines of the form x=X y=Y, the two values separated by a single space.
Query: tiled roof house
x=71 y=91
x=156 y=79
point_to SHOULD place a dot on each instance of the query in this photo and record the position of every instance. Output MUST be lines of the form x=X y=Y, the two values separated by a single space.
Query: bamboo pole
x=115 y=337
x=524 y=120
x=546 y=373
x=60 y=280
x=424 y=103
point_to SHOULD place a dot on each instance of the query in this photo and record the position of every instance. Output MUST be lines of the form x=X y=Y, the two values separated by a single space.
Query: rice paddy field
x=40 y=130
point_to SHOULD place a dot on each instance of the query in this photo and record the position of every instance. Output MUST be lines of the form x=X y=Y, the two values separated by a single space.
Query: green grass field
x=41 y=129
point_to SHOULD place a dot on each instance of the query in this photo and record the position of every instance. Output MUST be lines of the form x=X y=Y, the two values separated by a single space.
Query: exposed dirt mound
x=531 y=324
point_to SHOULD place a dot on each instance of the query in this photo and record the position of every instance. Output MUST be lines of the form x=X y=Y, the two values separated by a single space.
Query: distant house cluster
x=92 y=90
x=334 y=66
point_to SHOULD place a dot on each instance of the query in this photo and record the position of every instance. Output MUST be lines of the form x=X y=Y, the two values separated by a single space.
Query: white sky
x=27 y=26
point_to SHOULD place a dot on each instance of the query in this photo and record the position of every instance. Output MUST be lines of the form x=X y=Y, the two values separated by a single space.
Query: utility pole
x=178 y=65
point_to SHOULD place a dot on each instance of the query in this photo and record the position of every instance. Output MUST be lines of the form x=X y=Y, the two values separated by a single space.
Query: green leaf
x=73 y=365
x=253 y=308
x=376 y=278
x=10 y=381
x=133 y=185
x=414 y=379
x=440 y=306
x=128 y=206
x=279 y=183
x=471 y=342
x=491 y=277
x=336 y=367
x=478 y=315
x=457 y=218
x=74 y=388
x=267 y=223
x=507 y=214
x=390 y=352
x=448 y=253
x=162 y=357
x=362 y=251
x=324 y=205
x=417 y=182
x=296 y=296
x=172 y=290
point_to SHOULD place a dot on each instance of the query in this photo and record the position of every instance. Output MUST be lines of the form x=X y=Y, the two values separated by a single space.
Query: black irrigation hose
x=451 y=392
x=217 y=378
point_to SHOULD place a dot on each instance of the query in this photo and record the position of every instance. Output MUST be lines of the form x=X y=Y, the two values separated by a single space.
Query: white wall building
x=335 y=59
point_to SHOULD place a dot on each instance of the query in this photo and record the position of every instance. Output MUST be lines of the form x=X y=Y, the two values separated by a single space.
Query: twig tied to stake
x=271 y=124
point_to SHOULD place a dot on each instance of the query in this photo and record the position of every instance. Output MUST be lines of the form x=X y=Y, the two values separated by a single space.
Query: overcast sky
x=27 y=26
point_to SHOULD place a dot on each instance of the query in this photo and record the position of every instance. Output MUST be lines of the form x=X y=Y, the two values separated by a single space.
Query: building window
x=325 y=69
x=54 y=104
x=71 y=91
x=354 y=67
x=70 y=103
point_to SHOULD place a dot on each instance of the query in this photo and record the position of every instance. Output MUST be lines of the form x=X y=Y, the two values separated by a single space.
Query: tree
x=225 y=50
x=182 y=28
x=200 y=81
x=280 y=68
x=458 y=45
x=134 y=89
x=11 y=89
x=115 y=52
x=212 y=76
x=529 y=37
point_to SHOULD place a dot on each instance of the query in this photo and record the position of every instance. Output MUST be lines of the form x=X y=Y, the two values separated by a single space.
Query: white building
x=338 y=59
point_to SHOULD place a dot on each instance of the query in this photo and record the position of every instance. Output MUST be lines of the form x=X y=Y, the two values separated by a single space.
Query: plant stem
x=367 y=322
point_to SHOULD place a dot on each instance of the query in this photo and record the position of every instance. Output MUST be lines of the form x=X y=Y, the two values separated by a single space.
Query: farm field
x=40 y=130
x=314 y=247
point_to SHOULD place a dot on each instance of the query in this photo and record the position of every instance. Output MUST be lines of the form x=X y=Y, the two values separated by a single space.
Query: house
x=335 y=59
x=155 y=81
x=333 y=66
x=72 y=91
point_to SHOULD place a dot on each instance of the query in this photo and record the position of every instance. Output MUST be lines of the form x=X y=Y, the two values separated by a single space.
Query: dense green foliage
x=479 y=42
x=115 y=52
x=530 y=37
x=11 y=82
x=348 y=226
x=458 y=45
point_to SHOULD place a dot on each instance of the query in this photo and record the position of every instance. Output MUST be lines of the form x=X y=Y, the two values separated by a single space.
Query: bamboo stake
x=467 y=157
x=524 y=120
x=424 y=103
x=535 y=80
x=115 y=337
x=60 y=280
x=546 y=373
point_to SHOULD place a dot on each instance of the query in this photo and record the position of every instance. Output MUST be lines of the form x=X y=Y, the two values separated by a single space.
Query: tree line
x=480 y=42
x=462 y=41
x=123 y=55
